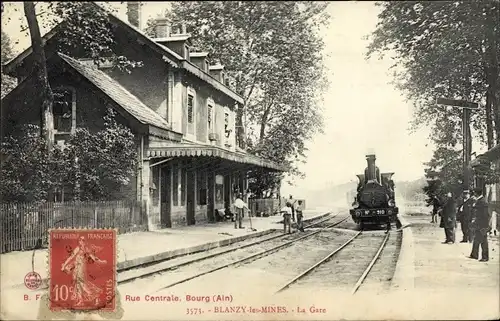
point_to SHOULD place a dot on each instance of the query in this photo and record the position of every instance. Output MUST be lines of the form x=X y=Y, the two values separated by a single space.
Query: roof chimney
x=134 y=13
x=217 y=71
x=163 y=28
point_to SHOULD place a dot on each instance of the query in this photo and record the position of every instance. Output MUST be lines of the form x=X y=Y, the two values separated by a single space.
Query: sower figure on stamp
x=449 y=219
x=481 y=224
x=240 y=207
x=287 y=217
x=464 y=215
x=76 y=266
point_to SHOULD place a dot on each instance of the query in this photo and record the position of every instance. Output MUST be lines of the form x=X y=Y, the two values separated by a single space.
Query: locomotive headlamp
x=391 y=203
x=355 y=204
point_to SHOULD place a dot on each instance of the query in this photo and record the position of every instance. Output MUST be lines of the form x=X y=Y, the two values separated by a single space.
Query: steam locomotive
x=375 y=199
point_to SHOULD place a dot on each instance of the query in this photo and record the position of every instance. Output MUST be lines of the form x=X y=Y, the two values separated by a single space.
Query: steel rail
x=176 y=266
x=301 y=275
x=372 y=263
x=251 y=257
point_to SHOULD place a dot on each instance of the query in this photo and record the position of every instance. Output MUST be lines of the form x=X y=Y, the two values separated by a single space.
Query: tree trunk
x=493 y=69
x=40 y=71
x=263 y=123
x=489 y=120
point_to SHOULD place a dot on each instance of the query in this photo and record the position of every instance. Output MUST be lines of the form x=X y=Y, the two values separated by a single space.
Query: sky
x=362 y=111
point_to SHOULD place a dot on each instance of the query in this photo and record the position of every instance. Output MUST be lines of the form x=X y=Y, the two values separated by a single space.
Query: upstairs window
x=210 y=116
x=190 y=109
x=227 y=130
x=62 y=108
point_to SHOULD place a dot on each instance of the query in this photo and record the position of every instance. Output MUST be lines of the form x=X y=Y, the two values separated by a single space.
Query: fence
x=268 y=206
x=24 y=226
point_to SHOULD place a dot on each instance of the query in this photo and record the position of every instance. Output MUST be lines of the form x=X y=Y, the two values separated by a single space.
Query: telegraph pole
x=466 y=107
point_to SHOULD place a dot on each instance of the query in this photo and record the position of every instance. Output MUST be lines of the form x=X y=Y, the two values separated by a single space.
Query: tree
x=448 y=49
x=91 y=166
x=273 y=52
x=8 y=83
x=84 y=30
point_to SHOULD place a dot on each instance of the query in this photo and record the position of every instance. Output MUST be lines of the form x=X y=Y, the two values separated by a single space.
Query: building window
x=63 y=109
x=210 y=116
x=190 y=109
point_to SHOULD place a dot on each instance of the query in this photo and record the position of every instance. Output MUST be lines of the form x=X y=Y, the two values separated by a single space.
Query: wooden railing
x=25 y=226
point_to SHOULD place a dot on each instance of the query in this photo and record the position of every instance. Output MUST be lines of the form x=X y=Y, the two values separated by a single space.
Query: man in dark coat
x=481 y=224
x=464 y=215
x=435 y=207
x=449 y=219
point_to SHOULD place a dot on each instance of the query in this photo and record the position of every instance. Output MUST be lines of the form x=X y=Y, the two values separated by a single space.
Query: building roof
x=491 y=155
x=216 y=67
x=169 y=55
x=117 y=93
x=198 y=54
x=179 y=37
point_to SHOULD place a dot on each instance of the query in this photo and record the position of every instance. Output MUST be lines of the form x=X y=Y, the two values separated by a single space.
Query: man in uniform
x=449 y=218
x=240 y=207
x=464 y=215
x=481 y=224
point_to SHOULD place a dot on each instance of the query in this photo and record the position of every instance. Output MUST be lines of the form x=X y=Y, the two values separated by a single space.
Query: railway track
x=199 y=264
x=368 y=266
x=129 y=276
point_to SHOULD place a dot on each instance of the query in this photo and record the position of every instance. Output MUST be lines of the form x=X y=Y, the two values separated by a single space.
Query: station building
x=179 y=106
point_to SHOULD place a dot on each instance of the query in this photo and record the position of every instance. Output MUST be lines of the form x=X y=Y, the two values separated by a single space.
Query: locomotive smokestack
x=371 y=169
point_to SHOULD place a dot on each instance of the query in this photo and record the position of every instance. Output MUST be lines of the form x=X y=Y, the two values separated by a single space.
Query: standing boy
x=300 y=216
x=287 y=217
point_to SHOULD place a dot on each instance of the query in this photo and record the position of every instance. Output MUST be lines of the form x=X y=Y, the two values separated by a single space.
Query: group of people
x=293 y=208
x=473 y=215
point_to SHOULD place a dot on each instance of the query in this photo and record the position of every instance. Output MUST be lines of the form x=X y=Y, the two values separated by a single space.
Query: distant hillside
x=337 y=195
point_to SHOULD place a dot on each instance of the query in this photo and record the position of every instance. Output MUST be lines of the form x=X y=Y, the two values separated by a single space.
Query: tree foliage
x=91 y=166
x=445 y=49
x=8 y=83
x=273 y=52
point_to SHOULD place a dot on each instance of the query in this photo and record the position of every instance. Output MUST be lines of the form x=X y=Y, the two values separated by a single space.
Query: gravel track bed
x=159 y=279
x=344 y=269
x=380 y=277
x=269 y=273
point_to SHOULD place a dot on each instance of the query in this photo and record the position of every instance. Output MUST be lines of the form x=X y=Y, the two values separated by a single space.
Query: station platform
x=138 y=248
x=439 y=281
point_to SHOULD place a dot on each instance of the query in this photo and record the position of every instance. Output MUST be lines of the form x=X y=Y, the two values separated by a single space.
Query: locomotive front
x=375 y=198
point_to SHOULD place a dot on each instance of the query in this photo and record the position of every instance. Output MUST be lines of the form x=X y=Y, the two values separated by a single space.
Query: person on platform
x=299 y=210
x=240 y=206
x=464 y=216
x=435 y=208
x=286 y=211
x=292 y=204
x=448 y=219
x=481 y=224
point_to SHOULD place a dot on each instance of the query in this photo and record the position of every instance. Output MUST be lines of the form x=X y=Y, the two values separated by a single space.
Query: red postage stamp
x=82 y=266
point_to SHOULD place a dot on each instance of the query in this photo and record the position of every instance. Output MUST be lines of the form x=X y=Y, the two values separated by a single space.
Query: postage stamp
x=82 y=268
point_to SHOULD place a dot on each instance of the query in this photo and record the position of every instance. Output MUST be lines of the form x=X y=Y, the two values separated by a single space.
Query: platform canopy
x=213 y=157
